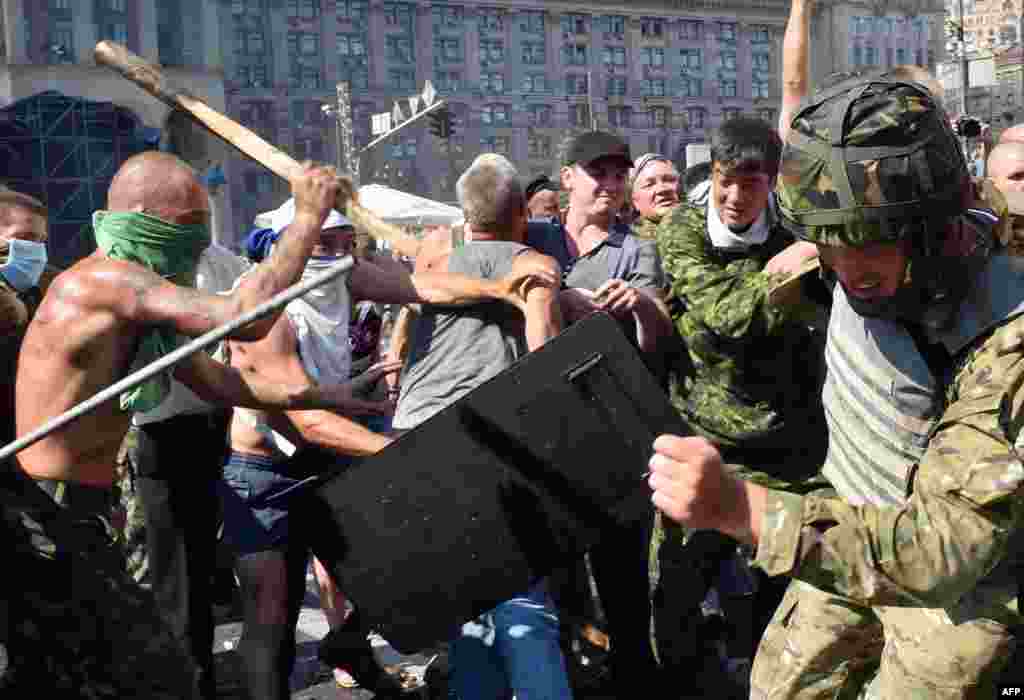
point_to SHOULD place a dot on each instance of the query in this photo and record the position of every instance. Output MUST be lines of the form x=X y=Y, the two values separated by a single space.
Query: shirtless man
x=80 y=624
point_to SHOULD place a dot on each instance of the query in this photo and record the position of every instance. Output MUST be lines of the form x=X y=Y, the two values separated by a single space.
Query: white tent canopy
x=397 y=207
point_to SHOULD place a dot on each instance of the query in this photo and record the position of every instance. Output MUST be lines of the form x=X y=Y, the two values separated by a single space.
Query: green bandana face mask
x=170 y=250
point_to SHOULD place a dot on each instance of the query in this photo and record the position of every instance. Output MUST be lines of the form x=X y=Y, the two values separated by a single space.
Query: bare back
x=78 y=343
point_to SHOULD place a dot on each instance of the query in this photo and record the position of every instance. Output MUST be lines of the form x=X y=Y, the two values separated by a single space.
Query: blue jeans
x=511 y=649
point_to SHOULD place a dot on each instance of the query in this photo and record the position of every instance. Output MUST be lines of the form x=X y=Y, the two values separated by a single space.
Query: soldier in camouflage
x=757 y=365
x=906 y=574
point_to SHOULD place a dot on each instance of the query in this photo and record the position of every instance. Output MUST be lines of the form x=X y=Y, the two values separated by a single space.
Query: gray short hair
x=490 y=194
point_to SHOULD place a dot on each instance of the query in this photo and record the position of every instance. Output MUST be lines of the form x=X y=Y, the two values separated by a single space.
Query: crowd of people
x=833 y=304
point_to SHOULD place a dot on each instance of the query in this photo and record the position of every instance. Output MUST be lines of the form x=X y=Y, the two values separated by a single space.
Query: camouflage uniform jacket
x=646 y=227
x=755 y=383
x=964 y=515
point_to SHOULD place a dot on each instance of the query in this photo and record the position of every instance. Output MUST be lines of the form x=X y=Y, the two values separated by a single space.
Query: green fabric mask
x=170 y=250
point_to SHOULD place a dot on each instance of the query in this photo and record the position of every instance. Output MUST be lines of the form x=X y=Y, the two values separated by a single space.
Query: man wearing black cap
x=605 y=267
x=541 y=198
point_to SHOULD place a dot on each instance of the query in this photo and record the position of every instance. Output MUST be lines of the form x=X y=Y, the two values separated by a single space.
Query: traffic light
x=441 y=123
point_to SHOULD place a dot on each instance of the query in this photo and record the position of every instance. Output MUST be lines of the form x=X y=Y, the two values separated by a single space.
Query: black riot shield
x=521 y=474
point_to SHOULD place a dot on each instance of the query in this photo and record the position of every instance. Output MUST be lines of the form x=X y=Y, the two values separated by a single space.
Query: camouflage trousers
x=78 y=626
x=820 y=645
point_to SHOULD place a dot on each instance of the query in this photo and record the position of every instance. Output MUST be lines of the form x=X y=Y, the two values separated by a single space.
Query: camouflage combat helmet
x=870 y=160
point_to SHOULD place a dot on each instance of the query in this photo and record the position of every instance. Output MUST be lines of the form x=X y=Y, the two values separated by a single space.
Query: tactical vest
x=881 y=399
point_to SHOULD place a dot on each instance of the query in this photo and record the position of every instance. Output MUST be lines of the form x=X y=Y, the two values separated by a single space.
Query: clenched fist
x=692 y=486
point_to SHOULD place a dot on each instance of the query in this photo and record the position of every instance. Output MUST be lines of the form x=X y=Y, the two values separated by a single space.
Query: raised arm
x=151 y=300
x=274 y=360
x=795 y=71
x=393 y=286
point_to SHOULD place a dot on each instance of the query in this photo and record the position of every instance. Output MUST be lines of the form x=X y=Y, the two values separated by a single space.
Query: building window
x=727 y=60
x=359 y=78
x=767 y=115
x=653 y=56
x=613 y=56
x=759 y=89
x=249 y=43
x=259 y=183
x=446 y=16
x=575 y=84
x=118 y=31
x=61 y=48
x=538 y=146
x=871 y=56
x=613 y=25
x=252 y=76
x=572 y=23
x=731 y=113
x=114 y=5
x=447 y=81
x=354 y=11
x=352 y=46
x=727 y=31
x=399 y=49
x=492 y=83
x=401 y=79
x=535 y=82
x=694 y=118
x=919 y=57
x=857 y=56
x=652 y=27
x=494 y=114
x=620 y=117
x=398 y=14
x=691 y=59
x=539 y=115
x=579 y=115
x=533 y=53
x=60 y=4
x=616 y=85
x=304 y=9
x=883 y=25
x=303 y=44
x=658 y=117
x=492 y=51
x=489 y=20
x=574 y=54
x=306 y=77
x=448 y=50
x=760 y=35
x=404 y=149
x=652 y=87
x=691 y=87
x=727 y=88
x=690 y=29
x=532 y=21
x=901 y=57
x=761 y=62
x=257 y=115
x=496 y=144
x=305 y=113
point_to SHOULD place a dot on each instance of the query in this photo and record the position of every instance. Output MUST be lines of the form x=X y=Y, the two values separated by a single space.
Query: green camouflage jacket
x=645 y=227
x=756 y=382
x=956 y=542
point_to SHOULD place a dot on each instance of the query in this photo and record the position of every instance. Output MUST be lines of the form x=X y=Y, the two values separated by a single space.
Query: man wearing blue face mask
x=23 y=274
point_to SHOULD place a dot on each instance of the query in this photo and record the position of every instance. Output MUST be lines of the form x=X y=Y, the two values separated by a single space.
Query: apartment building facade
x=520 y=76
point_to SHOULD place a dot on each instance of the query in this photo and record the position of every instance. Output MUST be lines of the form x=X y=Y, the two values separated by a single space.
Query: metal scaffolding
x=65 y=152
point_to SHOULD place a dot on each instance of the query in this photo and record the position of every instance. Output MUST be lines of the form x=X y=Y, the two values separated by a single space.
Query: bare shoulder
x=279 y=344
x=101 y=283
